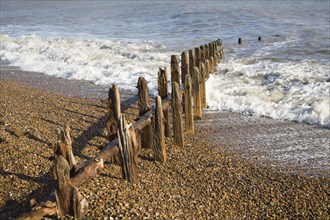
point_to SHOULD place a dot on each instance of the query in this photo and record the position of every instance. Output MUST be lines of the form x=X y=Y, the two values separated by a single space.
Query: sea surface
x=285 y=76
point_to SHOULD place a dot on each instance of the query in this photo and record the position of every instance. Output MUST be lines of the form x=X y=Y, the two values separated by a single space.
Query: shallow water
x=284 y=76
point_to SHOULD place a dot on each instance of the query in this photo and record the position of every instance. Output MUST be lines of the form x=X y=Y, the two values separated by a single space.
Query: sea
x=281 y=70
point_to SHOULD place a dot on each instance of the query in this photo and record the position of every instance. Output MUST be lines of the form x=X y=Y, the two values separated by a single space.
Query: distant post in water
x=189 y=116
x=177 y=116
x=196 y=93
x=175 y=72
x=240 y=41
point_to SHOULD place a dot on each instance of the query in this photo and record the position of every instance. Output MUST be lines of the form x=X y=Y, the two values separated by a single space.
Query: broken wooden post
x=175 y=72
x=184 y=65
x=177 y=116
x=163 y=93
x=113 y=112
x=63 y=147
x=127 y=152
x=159 y=136
x=189 y=117
x=144 y=106
x=203 y=86
x=196 y=94
x=197 y=56
x=67 y=203
x=191 y=61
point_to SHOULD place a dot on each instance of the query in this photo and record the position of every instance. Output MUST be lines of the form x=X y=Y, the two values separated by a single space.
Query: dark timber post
x=197 y=56
x=191 y=61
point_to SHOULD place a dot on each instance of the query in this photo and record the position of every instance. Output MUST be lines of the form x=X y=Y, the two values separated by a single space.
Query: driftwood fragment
x=189 y=117
x=159 y=136
x=177 y=116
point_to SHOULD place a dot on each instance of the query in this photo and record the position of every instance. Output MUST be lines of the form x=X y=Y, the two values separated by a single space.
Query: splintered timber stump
x=113 y=112
x=184 y=65
x=177 y=116
x=159 y=136
x=196 y=93
x=175 y=71
x=63 y=147
x=163 y=93
x=68 y=199
x=189 y=117
x=202 y=86
x=128 y=150
x=144 y=106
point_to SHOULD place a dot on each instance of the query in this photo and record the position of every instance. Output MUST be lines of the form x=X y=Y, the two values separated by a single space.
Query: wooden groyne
x=180 y=107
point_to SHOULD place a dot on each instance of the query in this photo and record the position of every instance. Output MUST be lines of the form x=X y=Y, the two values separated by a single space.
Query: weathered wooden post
x=68 y=199
x=175 y=72
x=191 y=61
x=207 y=68
x=144 y=106
x=163 y=93
x=202 y=86
x=210 y=51
x=196 y=93
x=159 y=137
x=127 y=145
x=184 y=65
x=212 y=64
x=206 y=51
x=63 y=147
x=189 y=116
x=113 y=112
x=202 y=53
x=177 y=116
x=197 y=56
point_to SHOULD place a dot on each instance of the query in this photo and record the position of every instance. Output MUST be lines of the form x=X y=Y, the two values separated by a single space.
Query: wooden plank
x=175 y=71
x=159 y=136
x=184 y=65
x=196 y=94
x=189 y=117
x=177 y=116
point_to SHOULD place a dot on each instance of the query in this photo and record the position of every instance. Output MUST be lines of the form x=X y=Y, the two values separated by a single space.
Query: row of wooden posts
x=153 y=125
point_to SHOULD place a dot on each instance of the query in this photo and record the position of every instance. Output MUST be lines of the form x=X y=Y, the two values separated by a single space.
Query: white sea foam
x=297 y=91
x=100 y=61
